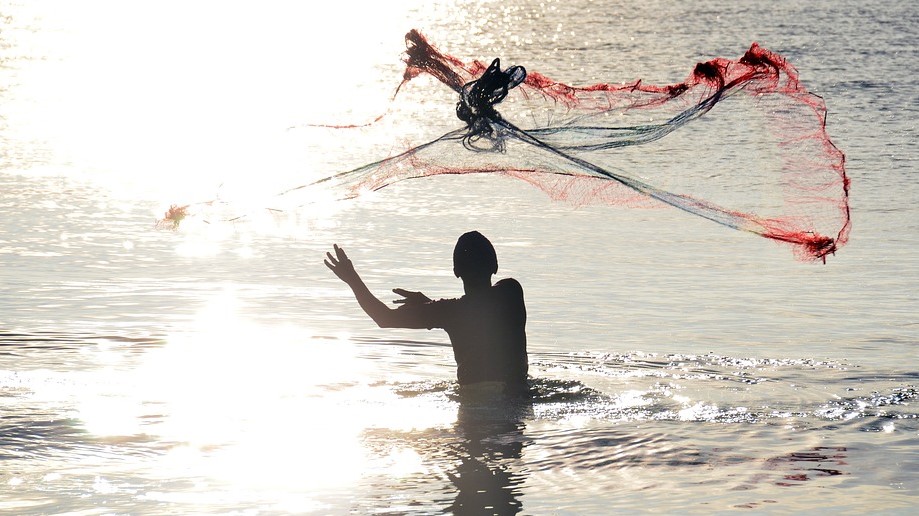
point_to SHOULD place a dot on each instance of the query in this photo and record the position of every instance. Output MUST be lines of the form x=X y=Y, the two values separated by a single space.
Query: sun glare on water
x=175 y=103
x=255 y=408
x=186 y=102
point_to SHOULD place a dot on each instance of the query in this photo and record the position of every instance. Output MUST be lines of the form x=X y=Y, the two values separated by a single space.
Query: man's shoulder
x=509 y=285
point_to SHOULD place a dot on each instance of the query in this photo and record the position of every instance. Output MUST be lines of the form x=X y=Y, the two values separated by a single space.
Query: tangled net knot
x=477 y=102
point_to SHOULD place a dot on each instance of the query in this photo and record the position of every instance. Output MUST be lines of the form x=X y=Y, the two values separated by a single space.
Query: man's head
x=474 y=256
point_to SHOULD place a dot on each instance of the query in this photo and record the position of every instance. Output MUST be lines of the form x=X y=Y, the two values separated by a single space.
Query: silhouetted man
x=486 y=326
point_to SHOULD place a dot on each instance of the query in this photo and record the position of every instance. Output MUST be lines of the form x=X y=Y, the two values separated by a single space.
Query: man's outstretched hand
x=409 y=297
x=341 y=265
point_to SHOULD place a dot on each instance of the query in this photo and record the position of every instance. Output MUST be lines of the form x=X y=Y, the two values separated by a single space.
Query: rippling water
x=220 y=368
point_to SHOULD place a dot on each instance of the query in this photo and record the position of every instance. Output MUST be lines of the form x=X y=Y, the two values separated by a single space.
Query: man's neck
x=476 y=284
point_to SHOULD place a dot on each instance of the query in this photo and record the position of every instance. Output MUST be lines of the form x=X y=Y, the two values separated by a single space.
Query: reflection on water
x=475 y=461
x=491 y=443
x=237 y=414
x=231 y=413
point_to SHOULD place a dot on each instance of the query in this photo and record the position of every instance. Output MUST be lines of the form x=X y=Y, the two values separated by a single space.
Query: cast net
x=777 y=173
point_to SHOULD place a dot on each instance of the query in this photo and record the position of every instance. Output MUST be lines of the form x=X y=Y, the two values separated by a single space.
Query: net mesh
x=773 y=170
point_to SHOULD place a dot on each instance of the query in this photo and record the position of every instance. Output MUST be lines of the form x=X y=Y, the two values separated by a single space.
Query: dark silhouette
x=489 y=474
x=486 y=326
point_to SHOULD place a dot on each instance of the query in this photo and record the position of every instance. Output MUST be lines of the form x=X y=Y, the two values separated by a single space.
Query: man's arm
x=381 y=314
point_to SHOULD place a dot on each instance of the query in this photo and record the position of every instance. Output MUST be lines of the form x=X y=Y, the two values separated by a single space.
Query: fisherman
x=486 y=325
